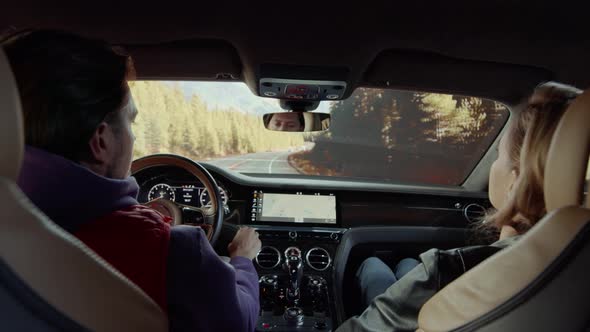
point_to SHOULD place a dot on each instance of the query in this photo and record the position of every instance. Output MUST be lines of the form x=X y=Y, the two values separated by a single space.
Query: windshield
x=376 y=134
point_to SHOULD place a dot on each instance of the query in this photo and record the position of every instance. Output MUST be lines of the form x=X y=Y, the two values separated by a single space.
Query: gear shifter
x=294 y=267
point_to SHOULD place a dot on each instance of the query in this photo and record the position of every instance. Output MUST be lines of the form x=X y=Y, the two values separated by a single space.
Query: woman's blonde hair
x=528 y=140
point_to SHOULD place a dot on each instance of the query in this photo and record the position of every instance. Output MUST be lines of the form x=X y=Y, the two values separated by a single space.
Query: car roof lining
x=375 y=42
x=400 y=69
x=214 y=60
x=493 y=49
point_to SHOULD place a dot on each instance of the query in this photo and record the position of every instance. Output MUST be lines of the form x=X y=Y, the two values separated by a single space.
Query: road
x=262 y=162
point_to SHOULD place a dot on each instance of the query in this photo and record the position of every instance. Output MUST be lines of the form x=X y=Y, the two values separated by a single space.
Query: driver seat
x=541 y=282
x=49 y=280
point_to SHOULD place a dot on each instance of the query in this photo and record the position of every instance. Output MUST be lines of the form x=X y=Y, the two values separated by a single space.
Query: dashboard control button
x=292 y=235
x=293 y=316
x=292 y=251
x=334 y=236
x=320 y=325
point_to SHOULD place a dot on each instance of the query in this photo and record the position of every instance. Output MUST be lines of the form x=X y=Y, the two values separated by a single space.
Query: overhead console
x=305 y=90
x=303 y=83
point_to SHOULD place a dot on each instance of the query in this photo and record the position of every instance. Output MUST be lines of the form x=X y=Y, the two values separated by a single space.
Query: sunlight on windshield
x=376 y=134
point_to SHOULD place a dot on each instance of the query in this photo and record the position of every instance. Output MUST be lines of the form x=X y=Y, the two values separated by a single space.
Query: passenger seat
x=541 y=282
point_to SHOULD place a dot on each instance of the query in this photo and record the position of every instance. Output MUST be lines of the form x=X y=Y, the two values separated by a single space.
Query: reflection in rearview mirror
x=297 y=121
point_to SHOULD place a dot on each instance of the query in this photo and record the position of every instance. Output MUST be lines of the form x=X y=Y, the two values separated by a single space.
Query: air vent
x=318 y=259
x=474 y=212
x=268 y=257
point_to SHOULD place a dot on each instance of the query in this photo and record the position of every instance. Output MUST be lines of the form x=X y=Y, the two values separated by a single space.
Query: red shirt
x=135 y=241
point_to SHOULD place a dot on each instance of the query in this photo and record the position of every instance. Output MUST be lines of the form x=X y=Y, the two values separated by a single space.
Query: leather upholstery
x=529 y=286
x=68 y=275
x=567 y=161
x=499 y=278
x=56 y=266
x=11 y=124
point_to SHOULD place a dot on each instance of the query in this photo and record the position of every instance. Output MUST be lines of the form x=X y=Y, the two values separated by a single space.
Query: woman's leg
x=373 y=277
x=404 y=266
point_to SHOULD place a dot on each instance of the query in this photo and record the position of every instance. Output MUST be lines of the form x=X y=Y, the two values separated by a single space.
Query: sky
x=236 y=95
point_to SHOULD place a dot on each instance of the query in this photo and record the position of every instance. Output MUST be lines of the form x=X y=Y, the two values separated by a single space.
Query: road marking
x=272 y=161
x=236 y=159
x=238 y=164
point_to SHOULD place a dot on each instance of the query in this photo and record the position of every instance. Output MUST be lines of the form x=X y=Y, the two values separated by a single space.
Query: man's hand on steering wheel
x=184 y=214
x=166 y=208
x=209 y=217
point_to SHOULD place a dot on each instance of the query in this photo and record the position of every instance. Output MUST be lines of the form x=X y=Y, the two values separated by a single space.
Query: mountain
x=235 y=95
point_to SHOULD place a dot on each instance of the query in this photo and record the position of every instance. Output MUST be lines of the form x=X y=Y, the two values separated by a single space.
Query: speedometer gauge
x=162 y=190
x=206 y=200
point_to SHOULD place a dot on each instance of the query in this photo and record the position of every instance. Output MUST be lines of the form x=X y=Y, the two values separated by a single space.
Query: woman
x=515 y=191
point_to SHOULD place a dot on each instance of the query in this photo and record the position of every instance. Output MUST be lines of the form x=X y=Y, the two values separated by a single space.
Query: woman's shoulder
x=449 y=264
x=467 y=255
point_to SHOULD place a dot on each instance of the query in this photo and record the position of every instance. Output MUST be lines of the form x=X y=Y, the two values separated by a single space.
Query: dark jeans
x=374 y=277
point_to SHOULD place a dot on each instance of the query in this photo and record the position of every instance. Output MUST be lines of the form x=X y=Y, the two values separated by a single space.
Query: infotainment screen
x=299 y=207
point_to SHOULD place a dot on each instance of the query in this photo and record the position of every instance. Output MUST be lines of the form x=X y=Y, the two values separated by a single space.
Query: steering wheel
x=210 y=218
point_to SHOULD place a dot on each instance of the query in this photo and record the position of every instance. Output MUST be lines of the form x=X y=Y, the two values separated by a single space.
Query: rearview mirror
x=297 y=121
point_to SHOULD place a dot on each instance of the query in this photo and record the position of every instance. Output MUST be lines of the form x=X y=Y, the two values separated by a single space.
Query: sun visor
x=434 y=72
x=187 y=60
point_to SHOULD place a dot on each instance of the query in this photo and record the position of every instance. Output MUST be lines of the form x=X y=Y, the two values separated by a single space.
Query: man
x=78 y=113
x=287 y=121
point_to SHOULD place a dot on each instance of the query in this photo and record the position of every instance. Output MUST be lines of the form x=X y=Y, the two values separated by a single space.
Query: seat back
x=541 y=282
x=49 y=279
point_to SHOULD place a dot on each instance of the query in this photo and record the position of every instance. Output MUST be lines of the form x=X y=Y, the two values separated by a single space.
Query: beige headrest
x=567 y=161
x=11 y=123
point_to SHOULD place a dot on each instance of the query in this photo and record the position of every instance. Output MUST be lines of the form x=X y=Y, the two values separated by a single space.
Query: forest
x=404 y=136
x=170 y=122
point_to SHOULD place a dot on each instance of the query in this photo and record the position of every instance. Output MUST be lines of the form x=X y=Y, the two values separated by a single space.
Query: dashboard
x=187 y=193
x=298 y=201
x=323 y=229
x=297 y=207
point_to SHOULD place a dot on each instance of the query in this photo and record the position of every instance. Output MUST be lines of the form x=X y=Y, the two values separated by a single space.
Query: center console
x=295 y=269
x=299 y=235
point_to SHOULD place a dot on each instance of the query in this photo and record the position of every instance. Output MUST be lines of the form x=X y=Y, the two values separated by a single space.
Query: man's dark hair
x=68 y=85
